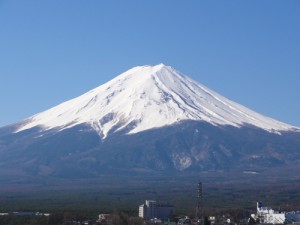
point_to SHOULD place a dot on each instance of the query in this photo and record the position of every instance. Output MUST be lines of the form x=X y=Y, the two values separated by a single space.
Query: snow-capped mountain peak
x=147 y=97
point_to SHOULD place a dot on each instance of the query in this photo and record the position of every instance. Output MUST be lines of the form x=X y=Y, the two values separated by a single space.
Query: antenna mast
x=199 y=201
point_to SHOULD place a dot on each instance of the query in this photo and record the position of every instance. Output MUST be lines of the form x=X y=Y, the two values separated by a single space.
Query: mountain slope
x=148 y=97
x=149 y=120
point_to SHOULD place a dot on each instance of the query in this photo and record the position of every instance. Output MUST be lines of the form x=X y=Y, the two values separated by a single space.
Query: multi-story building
x=270 y=216
x=151 y=209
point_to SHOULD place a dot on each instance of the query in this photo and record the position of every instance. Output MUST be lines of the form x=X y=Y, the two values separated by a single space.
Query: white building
x=268 y=215
x=151 y=209
x=104 y=218
x=142 y=211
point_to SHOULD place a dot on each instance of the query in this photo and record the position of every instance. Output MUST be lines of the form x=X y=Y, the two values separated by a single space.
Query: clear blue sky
x=52 y=51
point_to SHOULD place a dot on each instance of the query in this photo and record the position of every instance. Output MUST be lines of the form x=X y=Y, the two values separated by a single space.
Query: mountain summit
x=147 y=97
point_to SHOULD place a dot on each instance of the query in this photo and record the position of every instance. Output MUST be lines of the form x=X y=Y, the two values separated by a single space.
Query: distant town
x=153 y=212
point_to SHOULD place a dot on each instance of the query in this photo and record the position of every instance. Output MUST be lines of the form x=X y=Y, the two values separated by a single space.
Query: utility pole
x=199 y=202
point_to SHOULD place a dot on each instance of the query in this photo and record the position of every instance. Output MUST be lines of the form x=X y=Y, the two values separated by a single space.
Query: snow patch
x=250 y=172
x=181 y=161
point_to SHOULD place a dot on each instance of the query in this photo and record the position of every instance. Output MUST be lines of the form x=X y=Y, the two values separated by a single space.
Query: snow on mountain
x=146 y=97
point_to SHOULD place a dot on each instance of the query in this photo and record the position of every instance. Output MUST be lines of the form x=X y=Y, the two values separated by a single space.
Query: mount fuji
x=148 y=119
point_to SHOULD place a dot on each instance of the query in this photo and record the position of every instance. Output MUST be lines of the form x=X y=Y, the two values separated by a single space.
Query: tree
x=56 y=219
x=206 y=221
x=136 y=221
x=251 y=221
